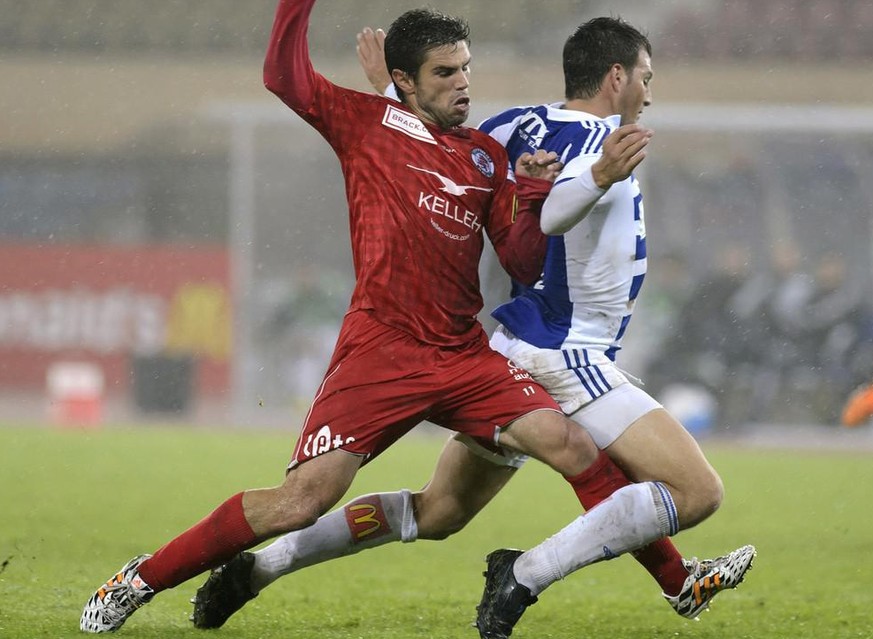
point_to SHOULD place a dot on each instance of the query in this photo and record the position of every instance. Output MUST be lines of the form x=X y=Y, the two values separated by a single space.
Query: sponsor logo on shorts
x=517 y=372
x=324 y=441
x=366 y=519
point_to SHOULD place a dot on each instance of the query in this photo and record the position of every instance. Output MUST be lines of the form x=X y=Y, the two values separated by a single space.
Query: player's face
x=636 y=94
x=440 y=94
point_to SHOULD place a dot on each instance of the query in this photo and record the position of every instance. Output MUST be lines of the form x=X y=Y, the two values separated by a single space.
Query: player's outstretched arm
x=371 y=55
x=288 y=70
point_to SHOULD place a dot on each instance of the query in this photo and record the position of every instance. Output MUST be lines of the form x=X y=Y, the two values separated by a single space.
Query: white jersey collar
x=558 y=113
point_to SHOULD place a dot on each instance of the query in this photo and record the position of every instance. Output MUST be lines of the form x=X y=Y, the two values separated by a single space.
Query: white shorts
x=610 y=415
x=587 y=385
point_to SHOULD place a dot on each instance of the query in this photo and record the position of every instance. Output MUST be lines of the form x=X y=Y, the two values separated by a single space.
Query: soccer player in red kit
x=462 y=485
x=421 y=191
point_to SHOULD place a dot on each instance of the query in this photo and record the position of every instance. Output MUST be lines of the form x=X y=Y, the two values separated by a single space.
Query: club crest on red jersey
x=483 y=162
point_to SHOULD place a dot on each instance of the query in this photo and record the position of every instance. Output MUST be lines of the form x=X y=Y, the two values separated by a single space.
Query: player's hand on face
x=623 y=150
x=543 y=165
x=371 y=55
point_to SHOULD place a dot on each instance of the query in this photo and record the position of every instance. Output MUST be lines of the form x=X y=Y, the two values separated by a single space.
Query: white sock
x=366 y=522
x=630 y=518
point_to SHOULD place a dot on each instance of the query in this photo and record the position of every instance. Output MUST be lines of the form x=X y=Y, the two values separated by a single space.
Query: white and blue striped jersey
x=593 y=273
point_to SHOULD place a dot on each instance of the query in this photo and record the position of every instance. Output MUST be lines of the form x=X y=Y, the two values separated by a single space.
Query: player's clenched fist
x=623 y=150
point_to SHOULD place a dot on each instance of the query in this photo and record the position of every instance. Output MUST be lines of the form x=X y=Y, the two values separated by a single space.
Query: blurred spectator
x=771 y=345
x=668 y=284
x=707 y=329
x=786 y=290
x=301 y=331
x=833 y=318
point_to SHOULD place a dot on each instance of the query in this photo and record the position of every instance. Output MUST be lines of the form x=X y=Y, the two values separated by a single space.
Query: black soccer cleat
x=504 y=599
x=227 y=589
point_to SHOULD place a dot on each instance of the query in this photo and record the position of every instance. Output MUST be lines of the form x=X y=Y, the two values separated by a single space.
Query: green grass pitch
x=76 y=505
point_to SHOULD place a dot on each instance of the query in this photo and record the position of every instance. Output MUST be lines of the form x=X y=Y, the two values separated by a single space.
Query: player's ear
x=616 y=76
x=404 y=81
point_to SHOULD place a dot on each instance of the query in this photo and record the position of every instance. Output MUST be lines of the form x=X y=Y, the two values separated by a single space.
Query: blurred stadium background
x=175 y=241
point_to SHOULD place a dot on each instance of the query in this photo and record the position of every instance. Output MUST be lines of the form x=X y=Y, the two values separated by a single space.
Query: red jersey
x=419 y=197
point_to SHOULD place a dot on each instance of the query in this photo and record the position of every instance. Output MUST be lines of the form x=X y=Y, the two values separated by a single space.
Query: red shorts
x=381 y=382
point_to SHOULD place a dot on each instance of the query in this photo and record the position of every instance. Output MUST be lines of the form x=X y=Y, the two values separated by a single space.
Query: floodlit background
x=174 y=245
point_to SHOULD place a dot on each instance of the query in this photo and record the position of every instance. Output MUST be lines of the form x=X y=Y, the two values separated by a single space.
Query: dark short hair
x=415 y=33
x=592 y=50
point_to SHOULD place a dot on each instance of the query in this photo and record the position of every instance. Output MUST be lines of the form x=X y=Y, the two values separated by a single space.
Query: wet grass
x=75 y=505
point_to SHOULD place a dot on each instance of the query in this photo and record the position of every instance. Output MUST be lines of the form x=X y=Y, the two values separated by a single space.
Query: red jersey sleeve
x=288 y=70
x=524 y=249
x=515 y=232
x=289 y=74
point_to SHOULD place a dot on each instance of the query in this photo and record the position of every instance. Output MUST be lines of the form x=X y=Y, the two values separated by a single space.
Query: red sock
x=664 y=563
x=208 y=544
x=660 y=558
x=598 y=481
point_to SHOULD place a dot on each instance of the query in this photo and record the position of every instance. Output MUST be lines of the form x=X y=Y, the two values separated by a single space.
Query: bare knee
x=713 y=495
x=572 y=451
x=309 y=491
x=581 y=451
x=297 y=514
x=554 y=440
x=702 y=502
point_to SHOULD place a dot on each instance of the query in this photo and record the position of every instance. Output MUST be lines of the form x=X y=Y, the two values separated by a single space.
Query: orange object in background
x=859 y=407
